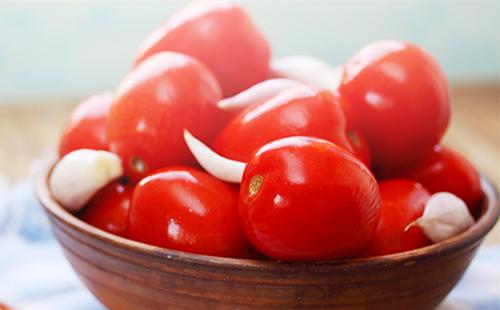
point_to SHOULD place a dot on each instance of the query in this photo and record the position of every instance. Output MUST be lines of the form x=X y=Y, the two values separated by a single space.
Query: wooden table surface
x=29 y=129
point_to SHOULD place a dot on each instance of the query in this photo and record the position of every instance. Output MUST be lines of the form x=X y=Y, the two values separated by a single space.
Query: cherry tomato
x=305 y=198
x=187 y=209
x=108 y=209
x=221 y=35
x=153 y=104
x=403 y=201
x=295 y=111
x=401 y=100
x=86 y=127
x=445 y=171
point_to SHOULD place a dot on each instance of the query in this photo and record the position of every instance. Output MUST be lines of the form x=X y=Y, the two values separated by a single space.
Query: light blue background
x=64 y=48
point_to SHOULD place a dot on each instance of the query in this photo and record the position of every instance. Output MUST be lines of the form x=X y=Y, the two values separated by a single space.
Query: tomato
x=401 y=100
x=445 y=171
x=4 y=306
x=108 y=209
x=352 y=122
x=360 y=146
x=153 y=104
x=221 y=35
x=296 y=111
x=304 y=198
x=403 y=201
x=187 y=209
x=86 y=127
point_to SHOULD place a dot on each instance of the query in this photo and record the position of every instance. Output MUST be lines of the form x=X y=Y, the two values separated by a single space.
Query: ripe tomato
x=219 y=34
x=445 y=171
x=305 y=198
x=296 y=111
x=86 y=127
x=401 y=100
x=359 y=146
x=403 y=201
x=108 y=209
x=186 y=209
x=153 y=104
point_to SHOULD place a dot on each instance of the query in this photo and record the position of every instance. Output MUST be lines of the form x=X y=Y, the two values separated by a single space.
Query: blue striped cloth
x=35 y=275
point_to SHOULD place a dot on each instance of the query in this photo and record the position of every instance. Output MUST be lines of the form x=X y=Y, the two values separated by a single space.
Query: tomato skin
x=401 y=100
x=403 y=201
x=445 y=171
x=296 y=111
x=86 y=127
x=187 y=209
x=360 y=146
x=305 y=198
x=153 y=104
x=219 y=34
x=108 y=209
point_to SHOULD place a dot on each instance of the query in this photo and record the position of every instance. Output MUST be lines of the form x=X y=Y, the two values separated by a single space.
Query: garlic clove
x=257 y=93
x=308 y=69
x=445 y=216
x=220 y=167
x=80 y=174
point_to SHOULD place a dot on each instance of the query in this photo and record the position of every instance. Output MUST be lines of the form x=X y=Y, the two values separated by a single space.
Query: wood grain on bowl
x=124 y=274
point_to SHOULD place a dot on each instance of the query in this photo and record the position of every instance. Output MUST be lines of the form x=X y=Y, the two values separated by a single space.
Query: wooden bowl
x=124 y=274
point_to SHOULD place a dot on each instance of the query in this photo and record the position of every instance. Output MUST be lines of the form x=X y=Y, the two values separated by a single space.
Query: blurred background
x=55 y=53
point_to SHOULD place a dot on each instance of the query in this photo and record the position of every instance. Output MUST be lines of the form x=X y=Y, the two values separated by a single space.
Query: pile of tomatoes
x=329 y=173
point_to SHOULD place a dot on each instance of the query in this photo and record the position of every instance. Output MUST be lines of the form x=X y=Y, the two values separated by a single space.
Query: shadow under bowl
x=124 y=274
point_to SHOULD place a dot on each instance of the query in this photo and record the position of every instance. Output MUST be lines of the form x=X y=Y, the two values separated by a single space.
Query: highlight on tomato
x=400 y=98
x=403 y=202
x=295 y=111
x=304 y=198
x=153 y=104
x=86 y=126
x=221 y=35
x=109 y=208
x=445 y=170
x=186 y=209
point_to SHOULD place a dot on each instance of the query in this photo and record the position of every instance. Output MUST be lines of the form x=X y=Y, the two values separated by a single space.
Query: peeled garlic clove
x=220 y=167
x=445 y=216
x=308 y=69
x=80 y=174
x=257 y=93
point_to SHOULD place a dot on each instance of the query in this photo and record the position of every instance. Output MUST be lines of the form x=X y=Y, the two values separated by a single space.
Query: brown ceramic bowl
x=125 y=274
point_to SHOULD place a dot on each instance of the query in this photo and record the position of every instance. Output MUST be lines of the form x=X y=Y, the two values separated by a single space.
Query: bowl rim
x=488 y=218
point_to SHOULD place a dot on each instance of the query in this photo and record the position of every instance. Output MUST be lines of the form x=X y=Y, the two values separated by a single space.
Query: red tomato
x=349 y=113
x=221 y=35
x=189 y=210
x=86 y=127
x=356 y=138
x=296 y=111
x=401 y=100
x=360 y=146
x=108 y=209
x=305 y=198
x=153 y=104
x=445 y=171
x=403 y=201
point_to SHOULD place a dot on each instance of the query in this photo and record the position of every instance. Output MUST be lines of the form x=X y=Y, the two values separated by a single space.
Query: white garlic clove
x=445 y=216
x=257 y=93
x=80 y=174
x=220 y=167
x=308 y=69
